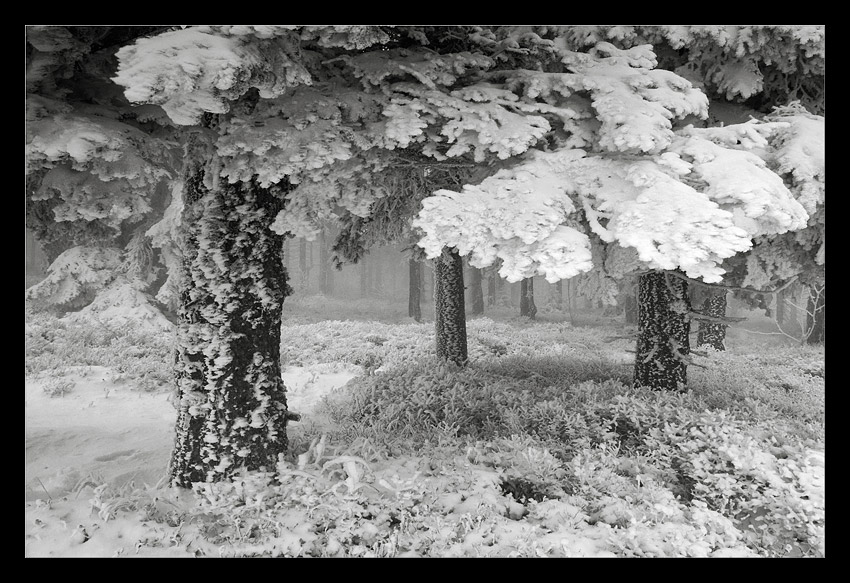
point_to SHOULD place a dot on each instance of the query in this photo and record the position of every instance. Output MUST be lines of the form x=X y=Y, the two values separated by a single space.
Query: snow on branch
x=196 y=70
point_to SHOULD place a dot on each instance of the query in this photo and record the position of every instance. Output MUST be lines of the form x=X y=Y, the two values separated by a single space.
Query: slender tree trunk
x=476 y=293
x=414 y=307
x=449 y=310
x=816 y=315
x=364 y=278
x=559 y=295
x=232 y=400
x=491 y=289
x=302 y=264
x=526 y=298
x=710 y=333
x=663 y=332
x=631 y=309
x=378 y=274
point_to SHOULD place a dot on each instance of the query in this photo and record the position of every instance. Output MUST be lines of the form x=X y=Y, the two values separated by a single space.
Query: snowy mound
x=121 y=304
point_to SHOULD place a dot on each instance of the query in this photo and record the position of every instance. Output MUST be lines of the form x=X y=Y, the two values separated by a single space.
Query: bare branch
x=733 y=287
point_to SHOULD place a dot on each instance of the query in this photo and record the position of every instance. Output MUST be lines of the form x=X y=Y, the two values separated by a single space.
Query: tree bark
x=449 y=310
x=559 y=295
x=414 y=306
x=232 y=400
x=663 y=332
x=476 y=293
x=710 y=333
x=526 y=298
x=816 y=315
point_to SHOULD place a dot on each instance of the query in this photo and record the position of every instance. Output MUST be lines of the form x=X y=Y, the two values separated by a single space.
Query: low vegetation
x=539 y=447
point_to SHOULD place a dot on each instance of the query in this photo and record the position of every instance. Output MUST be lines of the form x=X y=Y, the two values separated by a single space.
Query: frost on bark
x=414 y=308
x=710 y=333
x=816 y=315
x=476 y=292
x=526 y=298
x=232 y=400
x=663 y=329
x=449 y=315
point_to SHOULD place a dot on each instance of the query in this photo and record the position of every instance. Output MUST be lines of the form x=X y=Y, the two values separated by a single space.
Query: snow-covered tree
x=97 y=168
x=620 y=187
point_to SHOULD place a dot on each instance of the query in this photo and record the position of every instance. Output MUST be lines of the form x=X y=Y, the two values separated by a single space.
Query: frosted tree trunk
x=476 y=293
x=816 y=315
x=449 y=310
x=663 y=329
x=232 y=400
x=414 y=307
x=526 y=298
x=710 y=333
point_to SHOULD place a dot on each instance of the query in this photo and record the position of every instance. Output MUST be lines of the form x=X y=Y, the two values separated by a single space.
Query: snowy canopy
x=687 y=208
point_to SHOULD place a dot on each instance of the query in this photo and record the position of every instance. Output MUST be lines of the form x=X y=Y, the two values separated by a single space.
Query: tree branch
x=733 y=287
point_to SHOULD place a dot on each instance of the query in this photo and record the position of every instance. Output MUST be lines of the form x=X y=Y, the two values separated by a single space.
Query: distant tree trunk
x=414 y=308
x=515 y=294
x=663 y=332
x=631 y=309
x=302 y=264
x=559 y=295
x=710 y=333
x=449 y=310
x=476 y=293
x=364 y=278
x=491 y=289
x=324 y=263
x=232 y=410
x=816 y=315
x=378 y=274
x=526 y=298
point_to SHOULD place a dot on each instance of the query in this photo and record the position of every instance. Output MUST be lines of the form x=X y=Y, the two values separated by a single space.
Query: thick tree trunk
x=663 y=329
x=476 y=293
x=816 y=315
x=414 y=306
x=526 y=298
x=710 y=333
x=449 y=312
x=232 y=400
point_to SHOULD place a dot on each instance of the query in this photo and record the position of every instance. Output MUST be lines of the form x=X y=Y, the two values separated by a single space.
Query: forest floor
x=98 y=435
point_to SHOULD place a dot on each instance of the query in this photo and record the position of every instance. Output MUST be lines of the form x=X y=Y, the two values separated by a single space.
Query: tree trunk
x=302 y=264
x=377 y=286
x=491 y=289
x=663 y=329
x=414 y=307
x=526 y=298
x=816 y=315
x=449 y=311
x=476 y=293
x=710 y=333
x=232 y=400
x=559 y=295
x=631 y=309
x=364 y=278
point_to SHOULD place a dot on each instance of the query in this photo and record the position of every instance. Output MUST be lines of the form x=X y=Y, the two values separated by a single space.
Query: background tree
x=626 y=188
x=98 y=170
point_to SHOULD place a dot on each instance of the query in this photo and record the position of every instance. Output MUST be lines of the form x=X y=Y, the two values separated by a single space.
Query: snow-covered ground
x=99 y=433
